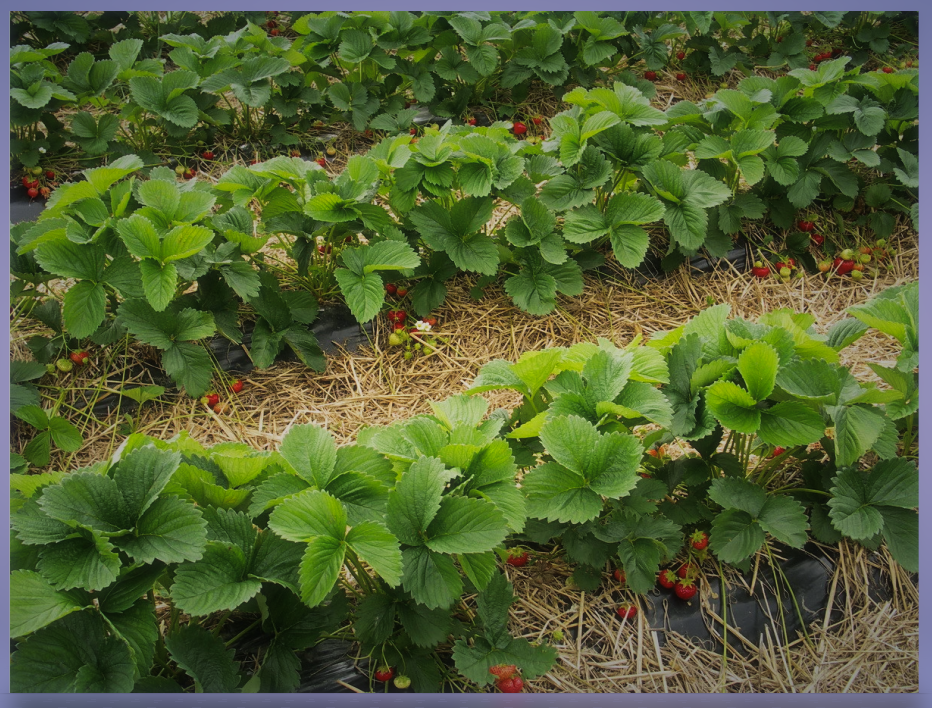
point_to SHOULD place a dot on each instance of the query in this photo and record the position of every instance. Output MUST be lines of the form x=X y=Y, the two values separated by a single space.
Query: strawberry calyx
x=503 y=671
x=688 y=571
x=685 y=589
x=666 y=579
x=517 y=557
x=699 y=540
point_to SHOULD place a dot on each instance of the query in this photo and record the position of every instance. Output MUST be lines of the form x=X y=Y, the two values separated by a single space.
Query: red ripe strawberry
x=413 y=130
x=471 y=121
x=503 y=671
x=274 y=32
x=627 y=610
x=32 y=184
x=817 y=239
x=760 y=272
x=808 y=42
x=322 y=161
x=777 y=451
x=212 y=399
x=516 y=556
x=681 y=55
x=519 y=128
x=812 y=67
x=32 y=192
x=536 y=120
x=384 y=673
x=836 y=263
x=888 y=70
x=324 y=248
x=650 y=75
x=26 y=181
x=688 y=570
x=50 y=175
x=78 y=358
x=779 y=39
x=432 y=321
x=271 y=24
x=207 y=155
x=806 y=226
x=666 y=579
x=619 y=575
x=685 y=589
x=400 y=326
x=510 y=685
x=189 y=173
x=253 y=161
x=391 y=288
x=780 y=265
x=402 y=292
x=237 y=386
x=699 y=540
x=681 y=76
x=845 y=267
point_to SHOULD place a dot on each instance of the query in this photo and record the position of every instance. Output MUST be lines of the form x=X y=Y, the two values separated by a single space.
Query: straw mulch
x=874 y=648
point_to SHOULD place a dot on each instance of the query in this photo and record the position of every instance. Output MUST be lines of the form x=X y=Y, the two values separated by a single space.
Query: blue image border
x=479 y=699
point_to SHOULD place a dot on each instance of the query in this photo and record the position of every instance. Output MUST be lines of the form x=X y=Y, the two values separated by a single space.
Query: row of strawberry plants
x=125 y=573
x=362 y=68
x=612 y=166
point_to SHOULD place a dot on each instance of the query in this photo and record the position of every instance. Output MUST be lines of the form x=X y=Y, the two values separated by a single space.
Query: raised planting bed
x=198 y=557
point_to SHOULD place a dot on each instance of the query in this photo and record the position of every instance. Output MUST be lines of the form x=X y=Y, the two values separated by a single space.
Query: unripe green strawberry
x=408 y=354
x=846 y=255
x=865 y=258
x=557 y=635
x=402 y=682
x=394 y=340
x=64 y=365
x=785 y=272
x=857 y=274
x=179 y=169
x=50 y=368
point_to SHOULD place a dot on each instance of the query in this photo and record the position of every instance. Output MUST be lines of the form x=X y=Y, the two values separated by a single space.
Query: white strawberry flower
x=42 y=150
x=422 y=326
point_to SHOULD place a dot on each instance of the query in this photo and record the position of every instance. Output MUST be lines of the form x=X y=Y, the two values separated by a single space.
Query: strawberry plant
x=51 y=429
x=494 y=645
x=770 y=383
